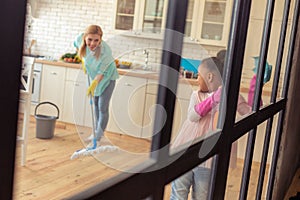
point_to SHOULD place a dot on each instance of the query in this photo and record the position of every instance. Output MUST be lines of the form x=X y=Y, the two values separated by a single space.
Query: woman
x=99 y=64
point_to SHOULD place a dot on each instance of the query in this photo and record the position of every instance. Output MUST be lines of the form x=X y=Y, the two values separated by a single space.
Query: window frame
x=150 y=183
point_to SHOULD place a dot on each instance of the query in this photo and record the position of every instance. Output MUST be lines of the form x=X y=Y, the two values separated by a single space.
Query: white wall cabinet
x=52 y=89
x=207 y=21
x=143 y=15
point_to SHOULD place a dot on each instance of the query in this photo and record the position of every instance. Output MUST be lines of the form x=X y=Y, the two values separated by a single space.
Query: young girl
x=199 y=122
x=100 y=66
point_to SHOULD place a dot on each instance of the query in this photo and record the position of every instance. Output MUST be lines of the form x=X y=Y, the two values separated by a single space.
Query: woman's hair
x=213 y=64
x=92 y=29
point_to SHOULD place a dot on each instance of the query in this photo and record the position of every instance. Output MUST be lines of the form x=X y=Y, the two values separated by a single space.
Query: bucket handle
x=47 y=102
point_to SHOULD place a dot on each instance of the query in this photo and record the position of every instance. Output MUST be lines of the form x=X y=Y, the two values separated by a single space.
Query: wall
x=59 y=21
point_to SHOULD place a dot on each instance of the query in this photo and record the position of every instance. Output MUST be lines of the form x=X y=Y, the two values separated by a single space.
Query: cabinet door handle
x=127 y=84
x=76 y=84
x=54 y=73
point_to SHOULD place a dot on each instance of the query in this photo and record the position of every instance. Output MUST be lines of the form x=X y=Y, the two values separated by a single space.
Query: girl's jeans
x=198 y=178
x=102 y=109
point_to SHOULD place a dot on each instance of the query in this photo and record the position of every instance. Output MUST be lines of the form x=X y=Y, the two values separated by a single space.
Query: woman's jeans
x=102 y=109
x=197 y=178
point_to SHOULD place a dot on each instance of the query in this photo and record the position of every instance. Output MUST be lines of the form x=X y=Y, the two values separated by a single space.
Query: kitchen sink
x=138 y=69
x=141 y=71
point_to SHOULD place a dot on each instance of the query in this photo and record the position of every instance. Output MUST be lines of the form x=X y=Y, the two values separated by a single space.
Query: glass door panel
x=153 y=14
x=125 y=14
x=213 y=20
x=189 y=18
x=212 y=31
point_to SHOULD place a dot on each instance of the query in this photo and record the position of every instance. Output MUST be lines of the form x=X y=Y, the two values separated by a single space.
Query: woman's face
x=92 y=41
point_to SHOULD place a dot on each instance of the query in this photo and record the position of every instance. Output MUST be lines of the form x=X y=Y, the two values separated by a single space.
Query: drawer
x=75 y=75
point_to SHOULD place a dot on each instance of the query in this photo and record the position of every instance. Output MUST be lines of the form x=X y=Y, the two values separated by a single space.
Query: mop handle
x=92 y=111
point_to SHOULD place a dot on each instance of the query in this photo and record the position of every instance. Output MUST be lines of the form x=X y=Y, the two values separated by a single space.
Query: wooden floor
x=294 y=187
x=50 y=174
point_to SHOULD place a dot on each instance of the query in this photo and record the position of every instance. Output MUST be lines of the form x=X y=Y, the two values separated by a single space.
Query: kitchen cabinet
x=52 y=89
x=126 y=10
x=180 y=114
x=130 y=110
x=127 y=105
x=207 y=21
x=214 y=21
x=184 y=92
x=142 y=15
x=74 y=97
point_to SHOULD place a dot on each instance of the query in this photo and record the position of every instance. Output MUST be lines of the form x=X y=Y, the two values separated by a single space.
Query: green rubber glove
x=92 y=87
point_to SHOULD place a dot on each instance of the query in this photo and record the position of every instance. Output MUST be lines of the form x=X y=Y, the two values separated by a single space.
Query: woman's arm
x=98 y=77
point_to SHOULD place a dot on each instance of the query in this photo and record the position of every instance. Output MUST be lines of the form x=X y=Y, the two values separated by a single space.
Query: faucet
x=146 y=60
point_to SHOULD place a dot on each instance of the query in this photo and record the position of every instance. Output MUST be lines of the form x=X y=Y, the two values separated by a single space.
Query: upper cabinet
x=152 y=15
x=214 y=21
x=207 y=21
x=125 y=14
x=141 y=16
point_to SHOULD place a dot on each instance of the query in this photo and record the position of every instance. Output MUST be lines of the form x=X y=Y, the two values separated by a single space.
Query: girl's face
x=92 y=41
x=208 y=80
x=202 y=78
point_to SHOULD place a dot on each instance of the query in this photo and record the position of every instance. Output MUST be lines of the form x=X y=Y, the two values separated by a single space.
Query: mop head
x=89 y=152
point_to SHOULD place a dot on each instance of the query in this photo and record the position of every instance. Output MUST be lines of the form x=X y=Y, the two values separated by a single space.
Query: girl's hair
x=213 y=64
x=221 y=55
x=92 y=29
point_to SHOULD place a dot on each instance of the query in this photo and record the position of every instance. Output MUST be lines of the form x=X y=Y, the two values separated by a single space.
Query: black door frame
x=12 y=18
x=151 y=180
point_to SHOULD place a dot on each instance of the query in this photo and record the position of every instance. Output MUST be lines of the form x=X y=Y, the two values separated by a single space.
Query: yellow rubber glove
x=92 y=87
x=83 y=67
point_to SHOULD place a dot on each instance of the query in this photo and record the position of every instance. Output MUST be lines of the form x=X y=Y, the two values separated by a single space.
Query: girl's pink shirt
x=196 y=126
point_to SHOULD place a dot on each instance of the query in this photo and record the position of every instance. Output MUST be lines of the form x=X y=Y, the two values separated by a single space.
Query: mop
x=88 y=151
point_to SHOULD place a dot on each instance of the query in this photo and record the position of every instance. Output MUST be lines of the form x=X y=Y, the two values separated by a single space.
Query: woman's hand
x=92 y=87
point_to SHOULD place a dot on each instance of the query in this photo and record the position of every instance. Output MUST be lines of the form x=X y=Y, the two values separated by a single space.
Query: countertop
x=132 y=73
x=121 y=71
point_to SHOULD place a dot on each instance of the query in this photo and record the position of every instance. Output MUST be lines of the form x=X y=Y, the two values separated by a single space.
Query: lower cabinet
x=52 y=90
x=66 y=88
x=183 y=94
x=131 y=109
x=74 y=97
x=180 y=114
x=127 y=106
